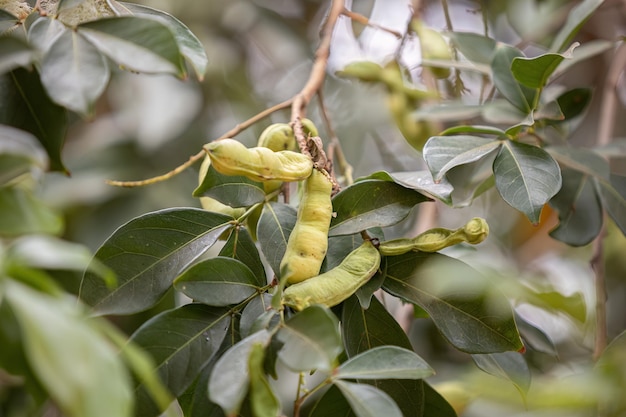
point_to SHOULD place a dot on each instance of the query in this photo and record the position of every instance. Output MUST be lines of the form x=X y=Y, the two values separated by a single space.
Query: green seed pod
x=336 y=285
x=433 y=240
x=211 y=204
x=309 y=128
x=434 y=46
x=231 y=157
x=308 y=241
x=278 y=137
x=366 y=71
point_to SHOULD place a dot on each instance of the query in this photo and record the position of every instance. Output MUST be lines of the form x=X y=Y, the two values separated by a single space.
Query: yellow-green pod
x=336 y=285
x=231 y=157
x=434 y=47
x=308 y=241
x=366 y=71
x=278 y=137
x=309 y=128
x=211 y=204
x=433 y=240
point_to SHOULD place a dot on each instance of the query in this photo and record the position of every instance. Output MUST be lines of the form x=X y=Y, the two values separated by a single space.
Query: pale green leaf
x=522 y=97
x=385 y=362
x=22 y=213
x=368 y=401
x=510 y=366
x=576 y=18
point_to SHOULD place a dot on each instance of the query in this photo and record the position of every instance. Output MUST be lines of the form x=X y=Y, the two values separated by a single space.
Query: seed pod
x=366 y=71
x=308 y=241
x=278 y=137
x=433 y=240
x=336 y=285
x=309 y=128
x=231 y=157
x=434 y=46
x=211 y=204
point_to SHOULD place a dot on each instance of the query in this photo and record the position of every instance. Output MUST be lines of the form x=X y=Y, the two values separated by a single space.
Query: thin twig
x=357 y=17
x=337 y=151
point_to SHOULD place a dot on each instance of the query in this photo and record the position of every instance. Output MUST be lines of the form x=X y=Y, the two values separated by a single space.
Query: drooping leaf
x=139 y=44
x=421 y=181
x=477 y=48
x=522 y=97
x=263 y=400
x=25 y=105
x=311 y=340
x=613 y=196
x=240 y=246
x=443 y=153
x=471 y=316
x=576 y=18
x=22 y=213
x=182 y=341
x=372 y=203
x=229 y=380
x=367 y=400
x=14 y=53
x=273 y=230
x=218 y=282
x=78 y=367
x=384 y=362
x=510 y=366
x=74 y=72
x=527 y=177
x=190 y=46
x=534 y=72
x=146 y=254
x=235 y=191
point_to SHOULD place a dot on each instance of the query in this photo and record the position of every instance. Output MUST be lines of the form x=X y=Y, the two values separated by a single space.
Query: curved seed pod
x=336 y=285
x=433 y=240
x=434 y=46
x=308 y=241
x=211 y=204
x=231 y=157
x=366 y=71
x=309 y=128
x=278 y=137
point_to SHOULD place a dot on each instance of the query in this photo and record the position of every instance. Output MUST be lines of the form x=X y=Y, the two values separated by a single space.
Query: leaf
x=22 y=213
x=43 y=32
x=240 y=246
x=534 y=337
x=182 y=342
x=451 y=111
x=311 y=340
x=576 y=18
x=229 y=380
x=142 y=45
x=384 y=362
x=470 y=316
x=510 y=366
x=19 y=154
x=476 y=129
x=263 y=400
x=475 y=47
x=25 y=105
x=522 y=97
x=257 y=315
x=74 y=73
x=235 y=191
x=585 y=51
x=14 y=53
x=330 y=404
x=527 y=177
x=368 y=401
x=217 y=282
x=190 y=46
x=585 y=161
x=421 y=181
x=8 y=22
x=534 y=72
x=573 y=102
x=443 y=153
x=471 y=180
x=613 y=196
x=78 y=367
x=372 y=203
x=68 y=4
x=275 y=225
x=146 y=254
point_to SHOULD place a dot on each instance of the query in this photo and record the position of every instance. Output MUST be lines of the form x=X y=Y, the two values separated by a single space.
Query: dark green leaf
x=507 y=365
x=478 y=130
x=14 y=53
x=217 y=282
x=522 y=97
x=182 y=342
x=235 y=191
x=471 y=180
x=443 y=153
x=502 y=112
x=24 y=104
x=146 y=254
x=475 y=47
x=330 y=404
x=190 y=46
x=613 y=196
x=257 y=315
x=372 y=203
x=273 y=230
x=338 y=248
x=527 y=177
x=472 y=317
x=139 y=44
x=263 y=400
x=585 y=161
x=311 y=340
x=367 y=400
x=22 y=213
x=577 y=16
x=74 y=73
x=195 y=401
x=574 y=102
x=421 y=181
x=384 y=362
x=534 y=72
x=240 y=246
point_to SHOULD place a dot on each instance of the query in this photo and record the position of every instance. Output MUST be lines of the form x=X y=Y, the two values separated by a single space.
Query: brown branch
x=357 y=17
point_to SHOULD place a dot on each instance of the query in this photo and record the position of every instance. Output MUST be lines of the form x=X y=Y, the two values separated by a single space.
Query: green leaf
x=576 y=18
x=273 y=230
x=475 y=47
x=142 y=45
x=235 y=191
x=43 y=32
x=311 y=340
x=217 y=282
x=443 y=153
x=74 y=73
x=14 y=53
x=585 y=161
x=573 y=102
x=19 y=153
x=240 y=246
x=472 y=317
x=195 y=401
x=471 y=180
x=330 y=404
x=189 y=45
x=22 y=213
x=476 y=129
x=263 y=400
x=500 y=111
x=510 y=366
x=613 y=196
x=146 y=254
x=68 y=4
x=368 y=401
x=527 y=177
x=421 y=181
x=8 y=22
x=25 y=105
x=257 y=315
x=450 y=111
x=384 y=362
x=229 y=380
x=372 y=203
x=534 y=72
x=81 y=371
x=534 y=337
x=182 y=342
x=583 y=52
x=522 y=97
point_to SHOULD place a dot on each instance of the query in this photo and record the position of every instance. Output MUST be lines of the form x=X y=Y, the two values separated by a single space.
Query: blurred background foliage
x=260 y=53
